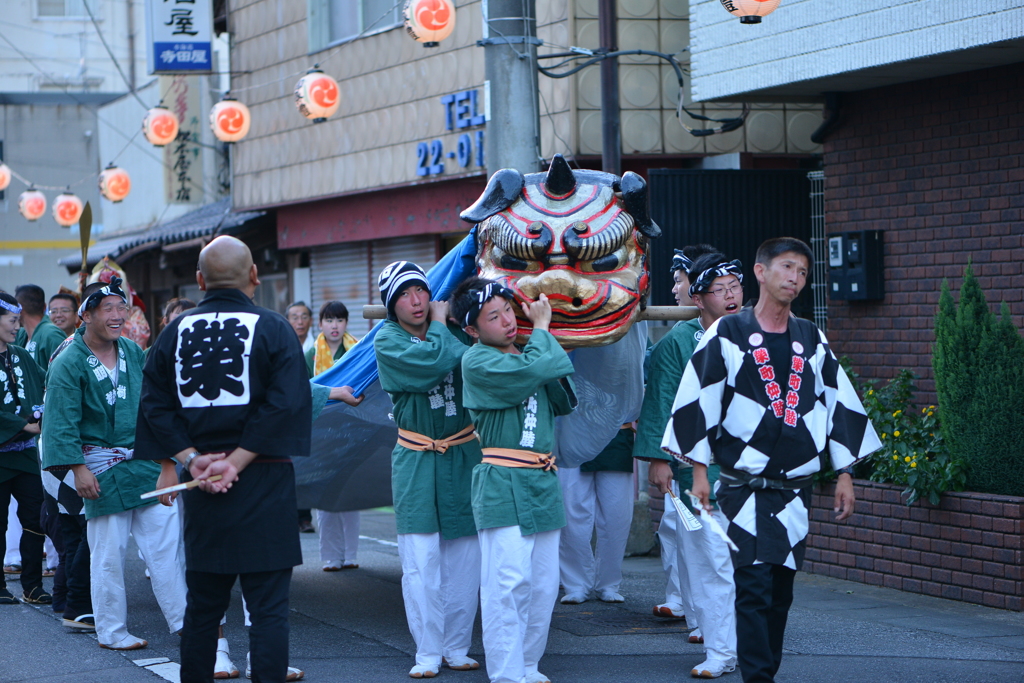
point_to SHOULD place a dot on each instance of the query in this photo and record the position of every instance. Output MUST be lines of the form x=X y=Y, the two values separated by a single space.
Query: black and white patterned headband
x=705 y=279
x=13 y=308
x=483 y=295
x=680 y=262
x=94 y=299
x=395 y=277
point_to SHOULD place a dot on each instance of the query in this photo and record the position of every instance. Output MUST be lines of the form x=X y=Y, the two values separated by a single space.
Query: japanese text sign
x=179 y=35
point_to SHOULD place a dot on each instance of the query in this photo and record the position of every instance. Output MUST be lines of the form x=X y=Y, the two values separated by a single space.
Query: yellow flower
x=884 y=435
x=930 y=413
x=931 y=407
x=913 y=464
x=897 y=413
x=871 y=392
x=896 y=433
x=895 y=457
x=924 y=410
x=906 y=459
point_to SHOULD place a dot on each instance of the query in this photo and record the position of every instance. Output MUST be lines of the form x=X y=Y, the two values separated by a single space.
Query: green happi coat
x=15 y=409
x=514 y=399
x=664 y=372
x=83 y=407
x=431 y=490
x=45 y=340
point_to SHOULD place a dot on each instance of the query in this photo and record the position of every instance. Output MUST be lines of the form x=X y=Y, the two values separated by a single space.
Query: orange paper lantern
x=115 y=183
x=32 y=204
x=67 y=209
x=317 y=96
x=160 y=126
x=429 y=21
x=5 y=176
x=750 y=11
x=230 y=120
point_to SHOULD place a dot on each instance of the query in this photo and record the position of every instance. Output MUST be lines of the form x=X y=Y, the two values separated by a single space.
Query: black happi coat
x=229 y=373
x=750 y=410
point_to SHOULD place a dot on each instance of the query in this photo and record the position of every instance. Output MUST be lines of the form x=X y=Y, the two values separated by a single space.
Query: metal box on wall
x=856 y=266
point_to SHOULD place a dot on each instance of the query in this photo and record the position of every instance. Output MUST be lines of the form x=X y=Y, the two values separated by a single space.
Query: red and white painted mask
x=580 y=237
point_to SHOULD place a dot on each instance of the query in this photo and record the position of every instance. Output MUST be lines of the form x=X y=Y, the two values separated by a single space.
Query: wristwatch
x=844 y=470
x=189 y=458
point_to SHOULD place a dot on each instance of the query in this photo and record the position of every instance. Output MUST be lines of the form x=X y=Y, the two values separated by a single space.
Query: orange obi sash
x=513 y=457
x=418 y=442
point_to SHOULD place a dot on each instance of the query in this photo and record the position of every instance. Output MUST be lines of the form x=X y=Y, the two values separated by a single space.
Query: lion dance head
x=580 y=237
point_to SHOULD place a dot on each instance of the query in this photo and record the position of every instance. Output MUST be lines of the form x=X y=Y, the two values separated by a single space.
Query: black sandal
x=37 y=596
x=6 y=598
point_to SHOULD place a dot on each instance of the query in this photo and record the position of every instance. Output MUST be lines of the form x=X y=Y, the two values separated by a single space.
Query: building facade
x=387 y=175
x=923 y=145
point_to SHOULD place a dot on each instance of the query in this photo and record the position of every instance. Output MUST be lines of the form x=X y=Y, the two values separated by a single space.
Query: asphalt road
x=350 y=626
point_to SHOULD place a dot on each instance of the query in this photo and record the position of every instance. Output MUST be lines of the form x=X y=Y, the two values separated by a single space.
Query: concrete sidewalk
x=350 y=626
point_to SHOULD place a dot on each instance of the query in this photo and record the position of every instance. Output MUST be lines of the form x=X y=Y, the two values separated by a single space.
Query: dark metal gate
x=732 y=210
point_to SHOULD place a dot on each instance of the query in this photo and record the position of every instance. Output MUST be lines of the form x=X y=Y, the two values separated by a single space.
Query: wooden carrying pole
x=649 y=313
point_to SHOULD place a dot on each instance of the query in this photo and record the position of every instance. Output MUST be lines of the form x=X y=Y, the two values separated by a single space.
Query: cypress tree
x=979 y=379
x=997 y=413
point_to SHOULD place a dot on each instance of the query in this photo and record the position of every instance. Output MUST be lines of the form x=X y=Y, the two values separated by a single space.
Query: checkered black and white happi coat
x=772 y=417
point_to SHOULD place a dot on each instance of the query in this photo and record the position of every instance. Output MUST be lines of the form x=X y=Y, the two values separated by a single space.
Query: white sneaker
x=712 y=668
x=423 y=671
x=670 y=610
x=292 y=675
x=573 y=598
x=610 y=596
x=460 y=663
x=224 y=668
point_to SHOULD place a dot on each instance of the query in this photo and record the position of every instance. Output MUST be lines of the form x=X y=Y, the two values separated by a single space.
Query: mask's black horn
x=502 y=190
x=634 y=197
x=559 y=180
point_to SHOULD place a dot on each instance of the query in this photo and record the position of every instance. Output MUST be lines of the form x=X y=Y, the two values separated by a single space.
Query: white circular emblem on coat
x=93 y=361
x=755 y=339
x=798 y=347
x=698 y=335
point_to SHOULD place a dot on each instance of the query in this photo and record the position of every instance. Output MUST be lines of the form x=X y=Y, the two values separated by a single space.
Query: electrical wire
x=117 y=65
x=595 y=56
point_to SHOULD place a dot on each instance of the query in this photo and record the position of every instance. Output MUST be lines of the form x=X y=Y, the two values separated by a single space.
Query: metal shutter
x=348 y=272
x=341 y=273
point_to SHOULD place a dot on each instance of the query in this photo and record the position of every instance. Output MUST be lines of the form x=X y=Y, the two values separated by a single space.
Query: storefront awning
x=193 y=227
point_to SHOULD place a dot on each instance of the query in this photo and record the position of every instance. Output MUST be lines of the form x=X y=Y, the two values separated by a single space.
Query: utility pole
x=611 y=120
x=510 y=65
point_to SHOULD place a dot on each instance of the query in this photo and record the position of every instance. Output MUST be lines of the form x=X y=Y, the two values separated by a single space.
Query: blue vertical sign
x=179 y=35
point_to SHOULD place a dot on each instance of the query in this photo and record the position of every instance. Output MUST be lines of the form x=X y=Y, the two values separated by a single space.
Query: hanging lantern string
x=61 y=188
x=332 y=53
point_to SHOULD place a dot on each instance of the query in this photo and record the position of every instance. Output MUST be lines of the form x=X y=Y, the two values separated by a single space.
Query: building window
x=66 y=8
x=335 y=21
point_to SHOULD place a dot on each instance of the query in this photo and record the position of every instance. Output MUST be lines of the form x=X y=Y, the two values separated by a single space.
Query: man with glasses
x=702 y=559
x=300 y=317
x=62 y=313
x=92 y=401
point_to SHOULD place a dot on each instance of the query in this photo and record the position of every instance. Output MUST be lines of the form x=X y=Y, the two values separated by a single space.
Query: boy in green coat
x=21 y=399
x=418 y=359
x=514 y=395
x=92 y=401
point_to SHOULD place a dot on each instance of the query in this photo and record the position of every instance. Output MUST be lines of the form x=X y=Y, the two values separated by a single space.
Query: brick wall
x=936 y=164
x=966 y=548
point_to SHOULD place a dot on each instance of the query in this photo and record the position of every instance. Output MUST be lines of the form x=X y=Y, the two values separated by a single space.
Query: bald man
x=225 y=393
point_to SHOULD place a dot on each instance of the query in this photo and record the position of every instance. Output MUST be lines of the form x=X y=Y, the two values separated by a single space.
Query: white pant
x=13 y=554
x=518 y=588
x=157 y=532
x=440 y=583
x=705 y=560
x=339 y=535
x=675 y=591
x=604 y=499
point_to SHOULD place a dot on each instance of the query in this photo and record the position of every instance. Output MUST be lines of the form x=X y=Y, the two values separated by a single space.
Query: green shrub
x=979 y=379
x=914 y=453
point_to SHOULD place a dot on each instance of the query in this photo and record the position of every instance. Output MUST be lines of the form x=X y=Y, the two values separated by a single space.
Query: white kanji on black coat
x=772 y=417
